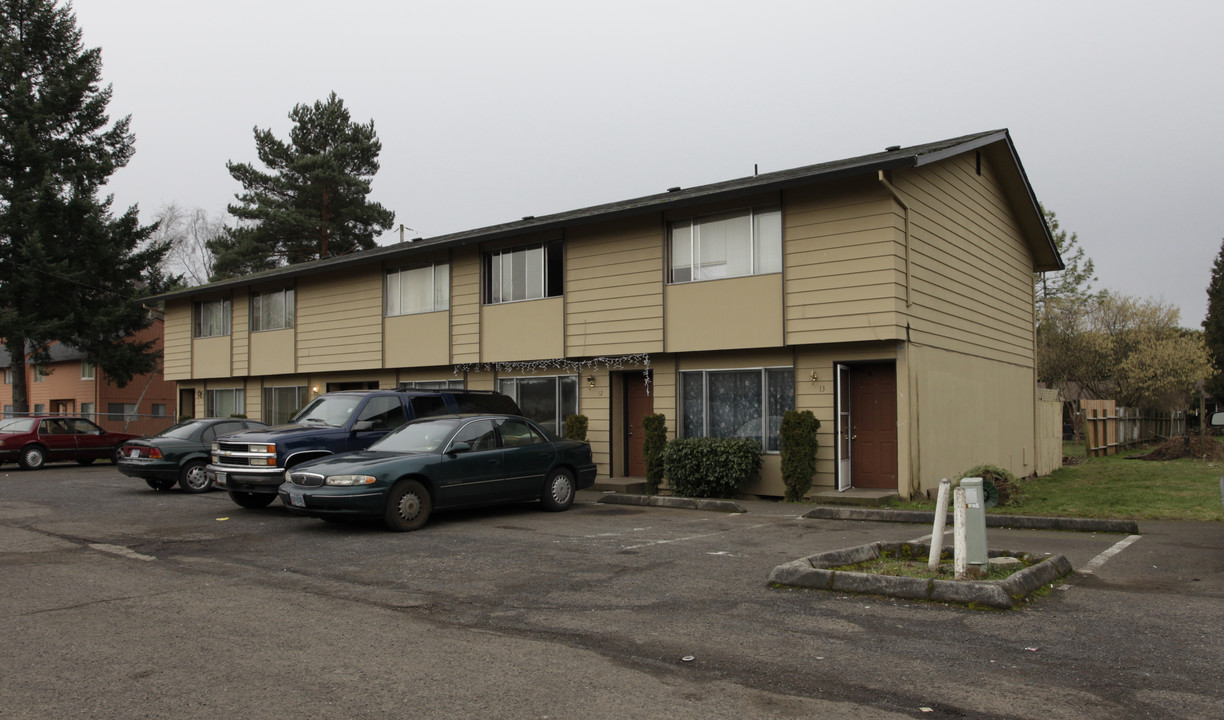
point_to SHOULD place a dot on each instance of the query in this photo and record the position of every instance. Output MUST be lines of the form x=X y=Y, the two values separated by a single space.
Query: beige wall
x=272 y=352
x=176 y=358
x=465 y=306
x=240 y=334
x=744 y=312
x=210 y=357
x=528 y=330
x=339 y=320
x=417 y=340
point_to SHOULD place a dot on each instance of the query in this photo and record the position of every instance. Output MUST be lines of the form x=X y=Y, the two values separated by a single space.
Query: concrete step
x=626 y=485
x=863 y=497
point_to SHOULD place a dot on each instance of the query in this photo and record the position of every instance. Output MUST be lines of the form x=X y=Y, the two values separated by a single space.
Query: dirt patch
x=1203 y=448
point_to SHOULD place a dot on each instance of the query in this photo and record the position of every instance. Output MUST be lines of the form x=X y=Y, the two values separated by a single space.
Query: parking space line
x=121 y=551
x=1099 y=560
x=651 y=543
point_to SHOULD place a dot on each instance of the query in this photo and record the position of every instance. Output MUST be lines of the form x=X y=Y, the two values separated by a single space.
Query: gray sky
x=492 y=110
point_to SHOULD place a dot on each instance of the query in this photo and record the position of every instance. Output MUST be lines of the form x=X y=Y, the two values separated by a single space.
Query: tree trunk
x=21 y=398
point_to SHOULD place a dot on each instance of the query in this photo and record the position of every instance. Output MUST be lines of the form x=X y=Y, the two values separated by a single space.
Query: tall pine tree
x=1213 y=327
x=69 y=270
x=313 y=201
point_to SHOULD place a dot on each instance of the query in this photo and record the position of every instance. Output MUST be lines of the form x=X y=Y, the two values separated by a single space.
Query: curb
x=726 y=506
x=1023 y=522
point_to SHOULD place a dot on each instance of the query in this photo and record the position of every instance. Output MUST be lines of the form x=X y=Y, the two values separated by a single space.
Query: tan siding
x=241 y=338
x=614 y=288
x=339 y=321
x=177 y=357
x=272 y=352
x=210 y=357
x=529 y=330
x=465 y=307
x=417 y=340
x=733 y=313
x=844 y=264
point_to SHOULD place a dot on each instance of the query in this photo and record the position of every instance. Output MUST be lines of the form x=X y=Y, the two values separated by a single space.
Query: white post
x=941 y=519
x=959 y=561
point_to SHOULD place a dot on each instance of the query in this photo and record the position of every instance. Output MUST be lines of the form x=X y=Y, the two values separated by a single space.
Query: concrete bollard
x=941 y=519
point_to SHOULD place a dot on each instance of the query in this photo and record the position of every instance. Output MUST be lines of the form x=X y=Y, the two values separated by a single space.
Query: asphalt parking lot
x=124 y=602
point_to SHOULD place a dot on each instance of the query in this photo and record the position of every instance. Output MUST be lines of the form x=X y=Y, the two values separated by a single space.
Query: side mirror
x=362 y=425
x=458 y=447
x=1216 y=420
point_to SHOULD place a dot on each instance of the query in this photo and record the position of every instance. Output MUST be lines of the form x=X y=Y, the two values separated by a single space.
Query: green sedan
x=439 y=463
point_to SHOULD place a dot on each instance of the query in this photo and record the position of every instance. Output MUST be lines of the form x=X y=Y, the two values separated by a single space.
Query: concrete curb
x=1024 y=522
x=814 y=572
x=726 y=506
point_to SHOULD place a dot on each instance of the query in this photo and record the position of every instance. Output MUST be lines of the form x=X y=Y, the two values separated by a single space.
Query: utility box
x=976 y=556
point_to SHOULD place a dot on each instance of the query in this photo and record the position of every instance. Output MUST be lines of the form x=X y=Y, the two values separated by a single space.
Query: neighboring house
x=71 y=385
x=890 y=294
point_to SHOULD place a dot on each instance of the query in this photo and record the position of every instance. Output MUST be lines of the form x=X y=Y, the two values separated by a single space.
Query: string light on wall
x=571 y=367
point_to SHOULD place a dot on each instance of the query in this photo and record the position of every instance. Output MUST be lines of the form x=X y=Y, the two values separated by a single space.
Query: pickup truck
x=251 y=465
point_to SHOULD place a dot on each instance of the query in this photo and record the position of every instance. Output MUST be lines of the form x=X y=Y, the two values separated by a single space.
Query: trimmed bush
x=710 y=467
x=655 y=429
x=798 y=435
x=576 y=427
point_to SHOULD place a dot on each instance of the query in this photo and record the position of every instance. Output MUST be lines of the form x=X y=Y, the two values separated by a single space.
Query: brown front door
x=873 y=408
x=187 y=403
x=638 y=404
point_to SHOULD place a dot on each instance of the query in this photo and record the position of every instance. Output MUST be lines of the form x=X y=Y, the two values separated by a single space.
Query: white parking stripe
x=1099 y=560
x=122 y=552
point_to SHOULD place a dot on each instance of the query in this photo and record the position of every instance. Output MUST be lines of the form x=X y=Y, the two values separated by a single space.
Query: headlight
x=262 y=448
x=288 y=476
x=348 y=480
x=216 y=446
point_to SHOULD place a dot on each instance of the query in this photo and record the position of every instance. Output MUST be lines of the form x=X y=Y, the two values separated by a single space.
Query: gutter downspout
x=915 y=465
x=897 y=196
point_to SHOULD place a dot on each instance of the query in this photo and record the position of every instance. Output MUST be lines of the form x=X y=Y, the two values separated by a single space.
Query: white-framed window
x=211 y=318
x=8 y=376
x=418 y=289
x=87 y=409
x=280 y=404
x=529 y=272
x=224 y=402
x=40 y=374
x=547 y=400
x=735 y=244
x=453 y=384
x=272 y=310
x=737 y=403
x=88 y=370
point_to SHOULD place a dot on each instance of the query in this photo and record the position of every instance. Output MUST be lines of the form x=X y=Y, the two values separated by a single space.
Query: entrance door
x=186 y=403
x=844 y=428
x=873 y=426
x=638 y=404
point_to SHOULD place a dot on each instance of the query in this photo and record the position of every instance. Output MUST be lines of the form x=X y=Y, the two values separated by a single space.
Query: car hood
x=360 y=462
x=274 y=433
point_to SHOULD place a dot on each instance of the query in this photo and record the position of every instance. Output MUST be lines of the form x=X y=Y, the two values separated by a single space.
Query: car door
x=57 y=436
x=473 y=475
x=91 y=440
x=527 y=456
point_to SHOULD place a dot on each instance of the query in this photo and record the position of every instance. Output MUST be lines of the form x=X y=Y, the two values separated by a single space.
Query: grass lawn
x=1118 y=487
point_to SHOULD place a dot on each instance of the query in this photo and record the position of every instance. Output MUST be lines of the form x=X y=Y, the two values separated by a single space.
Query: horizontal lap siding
x=971 y=268
x=176 y=360
x=339 y=322
x=614 y=288
x=465 y=307
x=845 y=265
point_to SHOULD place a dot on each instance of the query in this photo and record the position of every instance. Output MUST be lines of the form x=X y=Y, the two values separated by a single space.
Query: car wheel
x=193 y=479
x=408 y=506
x=32 y=458
x=85 y=461
x=116 y=454
x=252 y=500
x=558 y=493
x=160 y=483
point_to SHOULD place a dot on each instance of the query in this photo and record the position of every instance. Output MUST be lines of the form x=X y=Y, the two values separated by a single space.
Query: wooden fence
x=1108 y=428
x=1049 y=431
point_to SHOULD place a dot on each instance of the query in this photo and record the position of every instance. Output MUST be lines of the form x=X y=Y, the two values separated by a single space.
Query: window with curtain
x=523 y=273
x=453 y=384
x=746 y=242
x=737 y=403
x=272 y=310
x=418 y=289
x=547 y=400
x=88 y=370
x=280 y=404
x=211 y=318
x=224 y=402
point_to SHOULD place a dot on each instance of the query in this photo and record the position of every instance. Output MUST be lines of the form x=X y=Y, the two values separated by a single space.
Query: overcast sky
x=492 y=110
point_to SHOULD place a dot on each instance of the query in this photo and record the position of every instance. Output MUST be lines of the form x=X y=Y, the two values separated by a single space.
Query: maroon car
x=35 y=441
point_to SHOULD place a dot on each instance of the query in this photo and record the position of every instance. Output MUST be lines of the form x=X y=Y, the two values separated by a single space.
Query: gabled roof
x=996 y=143
x=59 y=353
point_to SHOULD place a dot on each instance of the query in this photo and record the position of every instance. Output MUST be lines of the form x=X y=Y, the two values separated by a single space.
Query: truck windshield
x=330 y=410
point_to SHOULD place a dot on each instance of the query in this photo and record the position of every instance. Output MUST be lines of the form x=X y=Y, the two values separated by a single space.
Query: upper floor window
x=523 y=273
x=745 y=242
x=40 y=374
x=88 y=370
x=212 y=318
x=272 y=310
x=8 y=376
x=418 y=289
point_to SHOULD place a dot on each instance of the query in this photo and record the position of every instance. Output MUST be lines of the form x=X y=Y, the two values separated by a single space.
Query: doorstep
x=624 y=485
x=865 y=497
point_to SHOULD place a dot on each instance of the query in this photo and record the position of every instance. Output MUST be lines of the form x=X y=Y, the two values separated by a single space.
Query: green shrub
x=710 y=467
x=1004 y=482
x=654 y=427
x=576 y=427
x=798 y=435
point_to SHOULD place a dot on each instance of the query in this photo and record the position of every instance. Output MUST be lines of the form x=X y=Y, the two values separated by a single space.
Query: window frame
x=551 y=273
x=509 y=386
x=259 y=308
x=770 y=437
x=210 y=401
x=89 y=371
x=439 y=292
x=451 y=384
x=197 y=318
x=271 y=405
x=697 y=265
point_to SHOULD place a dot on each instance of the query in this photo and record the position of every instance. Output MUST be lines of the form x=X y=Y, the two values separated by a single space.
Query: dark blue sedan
x=442 y=462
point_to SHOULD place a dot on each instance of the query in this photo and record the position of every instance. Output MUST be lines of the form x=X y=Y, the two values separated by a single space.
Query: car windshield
x=17 y=425
x=417 y=437
x=332 y=410
x=181 y=431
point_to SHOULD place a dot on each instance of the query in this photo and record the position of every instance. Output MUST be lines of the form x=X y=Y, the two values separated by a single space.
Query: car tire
x=408 y=506
x=252 y=501
x=193 y=479
x=85 y=461
x=558 y=492
x=32 y=458
x=116 y=453
x=159 y=484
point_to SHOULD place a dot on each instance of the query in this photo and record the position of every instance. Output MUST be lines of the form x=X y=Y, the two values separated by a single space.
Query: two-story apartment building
x=891 y=294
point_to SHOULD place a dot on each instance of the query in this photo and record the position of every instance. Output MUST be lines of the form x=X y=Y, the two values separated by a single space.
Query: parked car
x=251 y=465
x=442 y=462
x=35 y=441
x=179 y=453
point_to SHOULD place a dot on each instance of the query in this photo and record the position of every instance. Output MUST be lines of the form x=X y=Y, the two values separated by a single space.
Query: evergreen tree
x=1072 y=284
x=313 y=201
x=69 y=271
x=1213 y=327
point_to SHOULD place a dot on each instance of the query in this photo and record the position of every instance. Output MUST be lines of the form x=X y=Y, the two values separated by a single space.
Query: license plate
x=220 y=478
x=135 y=452
x=296 y=499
